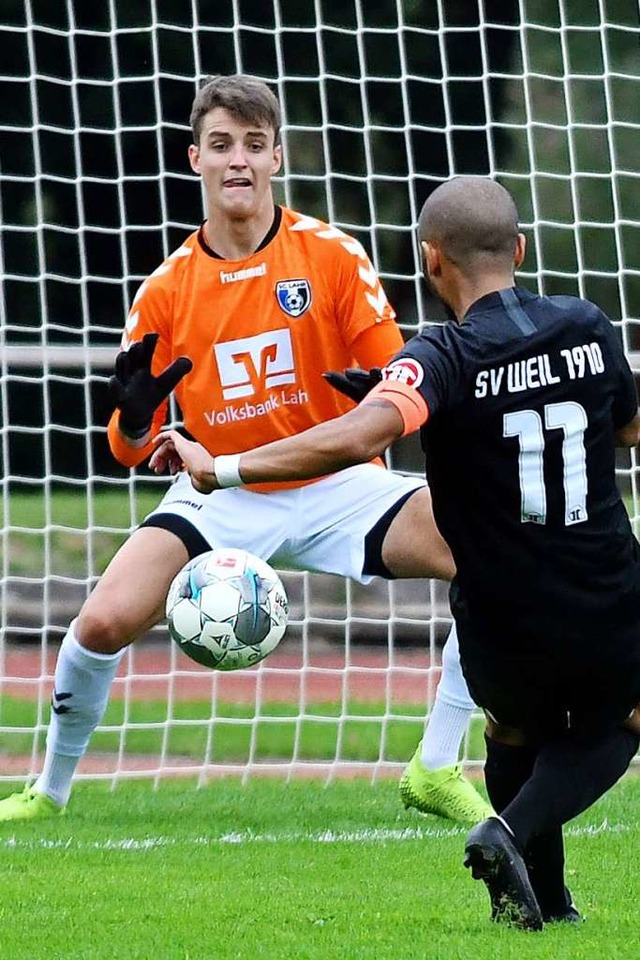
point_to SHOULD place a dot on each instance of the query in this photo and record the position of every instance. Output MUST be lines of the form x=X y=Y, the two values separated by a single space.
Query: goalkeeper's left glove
x=355 y=382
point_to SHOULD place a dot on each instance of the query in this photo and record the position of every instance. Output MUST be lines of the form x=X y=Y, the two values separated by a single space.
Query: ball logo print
x=227 y=609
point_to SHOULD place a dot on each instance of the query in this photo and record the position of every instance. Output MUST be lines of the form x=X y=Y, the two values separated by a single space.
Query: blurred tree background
x=95 y=188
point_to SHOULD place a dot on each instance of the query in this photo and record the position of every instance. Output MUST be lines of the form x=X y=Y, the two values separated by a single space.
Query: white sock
x=452 y=709
x=81 y=691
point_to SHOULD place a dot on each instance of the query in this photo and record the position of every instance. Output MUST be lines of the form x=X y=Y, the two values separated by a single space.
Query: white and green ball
x=227 y=609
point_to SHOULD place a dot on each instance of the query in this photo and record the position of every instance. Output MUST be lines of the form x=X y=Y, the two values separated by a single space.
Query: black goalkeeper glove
x=135 y=391
x=354 y=382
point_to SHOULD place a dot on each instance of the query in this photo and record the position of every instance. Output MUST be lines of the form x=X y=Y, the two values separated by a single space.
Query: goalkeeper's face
x=236 y=163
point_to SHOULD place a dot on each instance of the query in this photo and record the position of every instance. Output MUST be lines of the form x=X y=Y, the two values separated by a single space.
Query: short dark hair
x=471 y=218
x=246 y=98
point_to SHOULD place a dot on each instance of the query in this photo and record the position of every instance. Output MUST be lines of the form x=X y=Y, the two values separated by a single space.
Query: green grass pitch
x=289 y=870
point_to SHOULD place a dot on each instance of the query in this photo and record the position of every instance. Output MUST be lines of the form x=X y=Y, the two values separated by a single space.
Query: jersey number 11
x=527 y=426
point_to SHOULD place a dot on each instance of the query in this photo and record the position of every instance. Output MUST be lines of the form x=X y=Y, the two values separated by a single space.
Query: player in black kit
x=520 y=404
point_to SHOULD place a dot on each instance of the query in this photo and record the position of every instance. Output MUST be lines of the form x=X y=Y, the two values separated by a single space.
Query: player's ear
x=277 y=159
x=431 y=258
x=194 y=158
x=521 y=248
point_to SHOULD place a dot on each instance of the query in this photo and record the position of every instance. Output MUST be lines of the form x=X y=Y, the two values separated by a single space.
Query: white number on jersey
x=527 y=426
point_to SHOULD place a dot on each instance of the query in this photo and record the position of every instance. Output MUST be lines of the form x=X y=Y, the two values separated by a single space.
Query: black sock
x=544 y=858
x=569 y=775
x=506 y=769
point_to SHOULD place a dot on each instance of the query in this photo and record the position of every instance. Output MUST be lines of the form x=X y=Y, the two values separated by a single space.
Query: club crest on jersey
x=294 y=296
x=406 y=369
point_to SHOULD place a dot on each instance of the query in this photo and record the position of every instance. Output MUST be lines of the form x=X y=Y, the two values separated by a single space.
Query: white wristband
x=227 y=470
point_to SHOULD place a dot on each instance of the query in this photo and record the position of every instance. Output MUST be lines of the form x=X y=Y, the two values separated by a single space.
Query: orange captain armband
x=410 y=404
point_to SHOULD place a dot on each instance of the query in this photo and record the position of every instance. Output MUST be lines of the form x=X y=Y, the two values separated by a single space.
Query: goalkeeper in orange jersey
x=241 y=321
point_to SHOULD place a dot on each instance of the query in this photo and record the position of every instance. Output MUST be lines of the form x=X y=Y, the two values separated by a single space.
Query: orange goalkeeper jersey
x=260 y=332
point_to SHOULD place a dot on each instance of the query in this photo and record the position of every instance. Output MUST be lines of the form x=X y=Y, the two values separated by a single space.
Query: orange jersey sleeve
x=154 y=318
x=376 y=346
x=262 y=331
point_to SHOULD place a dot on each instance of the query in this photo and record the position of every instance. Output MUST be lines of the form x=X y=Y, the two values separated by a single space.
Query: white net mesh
x=381 y=101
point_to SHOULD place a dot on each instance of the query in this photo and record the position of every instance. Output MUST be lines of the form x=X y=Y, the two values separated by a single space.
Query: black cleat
x=569 y=915
x=492 y=856
x=562 y=911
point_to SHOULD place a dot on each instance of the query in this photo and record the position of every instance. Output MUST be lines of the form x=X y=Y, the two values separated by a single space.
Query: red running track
x=158 y=670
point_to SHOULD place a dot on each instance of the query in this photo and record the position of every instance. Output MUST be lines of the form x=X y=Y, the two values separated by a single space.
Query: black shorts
x=554 y=686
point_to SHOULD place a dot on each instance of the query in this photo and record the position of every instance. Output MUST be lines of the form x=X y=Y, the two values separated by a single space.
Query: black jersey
x=524 y=398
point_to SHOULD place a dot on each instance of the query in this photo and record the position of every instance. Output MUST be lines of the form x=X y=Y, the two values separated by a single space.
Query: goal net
x=382 y=100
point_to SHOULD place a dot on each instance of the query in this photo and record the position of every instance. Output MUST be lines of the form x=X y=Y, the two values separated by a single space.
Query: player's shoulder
x=438 y=336
x=322 y=239
x=175 y=263
x=568 y=307
x=161 y=283
x=570 y=318
x=434 y=345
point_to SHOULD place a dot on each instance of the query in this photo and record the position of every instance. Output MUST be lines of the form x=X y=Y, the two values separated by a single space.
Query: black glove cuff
x=132 y=432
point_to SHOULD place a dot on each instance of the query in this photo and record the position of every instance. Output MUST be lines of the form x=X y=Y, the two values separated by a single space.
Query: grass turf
x=351 y=731
x=275 y=870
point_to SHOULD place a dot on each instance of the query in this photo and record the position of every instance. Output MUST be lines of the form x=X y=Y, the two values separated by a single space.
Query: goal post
x=381 y=100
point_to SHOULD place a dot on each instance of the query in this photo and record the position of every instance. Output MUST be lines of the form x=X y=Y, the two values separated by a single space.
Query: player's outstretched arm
x=357 y=437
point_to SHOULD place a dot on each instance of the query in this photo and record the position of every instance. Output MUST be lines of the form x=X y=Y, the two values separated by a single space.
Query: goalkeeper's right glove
x=136 y=392
x=354 y=382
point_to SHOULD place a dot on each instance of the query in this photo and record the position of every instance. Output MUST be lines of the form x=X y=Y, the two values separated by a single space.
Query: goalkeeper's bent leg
x=81 y=691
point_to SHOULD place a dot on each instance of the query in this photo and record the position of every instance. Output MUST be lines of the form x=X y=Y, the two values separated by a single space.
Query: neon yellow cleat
x=29 y=805
x=444 y=792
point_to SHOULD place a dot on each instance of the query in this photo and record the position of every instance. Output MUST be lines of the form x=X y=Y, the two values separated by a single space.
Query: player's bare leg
x=129 y=597
x=633 y=721
x=127 y=601
x=502 y=733
x=433 y=780
x=406 y=555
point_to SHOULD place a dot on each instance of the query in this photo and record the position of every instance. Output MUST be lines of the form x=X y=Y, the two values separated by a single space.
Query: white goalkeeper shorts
x=320 y=527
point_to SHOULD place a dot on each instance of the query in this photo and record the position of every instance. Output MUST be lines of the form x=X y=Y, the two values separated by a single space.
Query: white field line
x=381 y=835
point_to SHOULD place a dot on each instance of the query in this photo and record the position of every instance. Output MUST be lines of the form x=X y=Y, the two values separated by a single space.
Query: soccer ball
x=227 y=609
